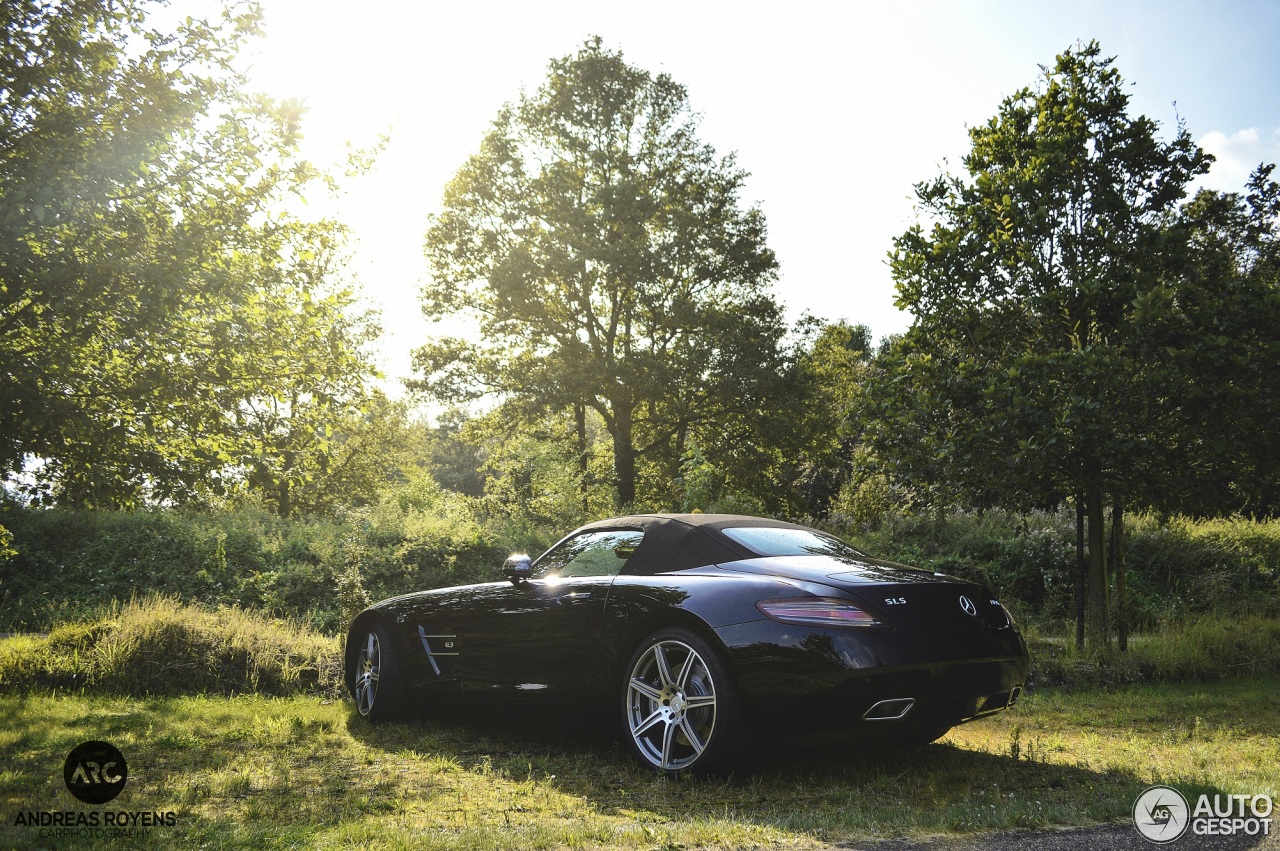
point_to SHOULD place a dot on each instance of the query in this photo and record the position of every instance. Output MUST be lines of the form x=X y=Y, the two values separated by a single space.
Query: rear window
x=791 y=542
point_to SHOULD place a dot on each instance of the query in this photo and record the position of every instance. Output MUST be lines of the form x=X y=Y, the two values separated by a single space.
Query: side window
x=590 y=554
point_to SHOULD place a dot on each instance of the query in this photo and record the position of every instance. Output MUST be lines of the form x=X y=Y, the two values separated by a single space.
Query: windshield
x=792 y=542
x=590 y=554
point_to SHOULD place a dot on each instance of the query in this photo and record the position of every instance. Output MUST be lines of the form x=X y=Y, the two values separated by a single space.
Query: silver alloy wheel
x=671 y=705
x=367 y=672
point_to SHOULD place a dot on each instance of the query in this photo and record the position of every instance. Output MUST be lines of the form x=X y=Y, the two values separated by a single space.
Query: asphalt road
x=1119 y=837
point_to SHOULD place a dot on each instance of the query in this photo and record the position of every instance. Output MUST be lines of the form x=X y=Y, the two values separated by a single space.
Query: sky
x=835 y=109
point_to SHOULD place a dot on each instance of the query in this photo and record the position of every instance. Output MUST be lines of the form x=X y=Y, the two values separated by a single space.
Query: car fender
x=704 y=600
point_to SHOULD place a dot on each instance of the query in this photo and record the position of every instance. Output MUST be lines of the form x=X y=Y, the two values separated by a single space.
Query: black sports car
x=698 y=629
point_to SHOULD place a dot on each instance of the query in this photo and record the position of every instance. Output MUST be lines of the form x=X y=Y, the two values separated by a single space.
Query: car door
x=540 y=637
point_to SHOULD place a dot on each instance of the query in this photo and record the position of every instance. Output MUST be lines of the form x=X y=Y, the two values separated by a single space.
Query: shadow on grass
x=829 y=788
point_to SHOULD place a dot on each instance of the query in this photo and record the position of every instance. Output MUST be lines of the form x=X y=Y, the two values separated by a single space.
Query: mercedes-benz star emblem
x=968 y=606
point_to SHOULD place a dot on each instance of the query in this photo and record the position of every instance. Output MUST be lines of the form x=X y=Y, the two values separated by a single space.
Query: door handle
x=573 y=598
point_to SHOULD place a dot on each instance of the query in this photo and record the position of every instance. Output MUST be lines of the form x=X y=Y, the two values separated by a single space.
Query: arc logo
x=95 y=772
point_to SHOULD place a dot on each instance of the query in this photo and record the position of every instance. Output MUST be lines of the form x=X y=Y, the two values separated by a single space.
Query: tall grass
x=157 y=645
x=1187 y=650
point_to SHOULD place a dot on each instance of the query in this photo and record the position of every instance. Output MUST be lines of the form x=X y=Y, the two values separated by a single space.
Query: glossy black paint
x=549 y=637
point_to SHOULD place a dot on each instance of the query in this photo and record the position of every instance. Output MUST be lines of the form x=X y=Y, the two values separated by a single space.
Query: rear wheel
x=376 y=681
x=679 y=706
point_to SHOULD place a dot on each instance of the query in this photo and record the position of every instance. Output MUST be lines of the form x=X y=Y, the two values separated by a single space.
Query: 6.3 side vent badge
x=449 y=641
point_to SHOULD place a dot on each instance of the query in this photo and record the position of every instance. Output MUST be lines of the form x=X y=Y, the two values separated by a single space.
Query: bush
x=69 y=563
x=419 y=536
x=72 y=563
x=160 y=646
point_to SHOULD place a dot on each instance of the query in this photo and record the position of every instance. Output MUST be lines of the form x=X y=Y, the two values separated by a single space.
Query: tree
x=604 y=257
x=1214 y=327
x=823 y=434
x=153 y=288
x=1024 y=379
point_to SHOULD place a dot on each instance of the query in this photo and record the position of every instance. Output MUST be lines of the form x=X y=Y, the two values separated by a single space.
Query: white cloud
x=1237 y=155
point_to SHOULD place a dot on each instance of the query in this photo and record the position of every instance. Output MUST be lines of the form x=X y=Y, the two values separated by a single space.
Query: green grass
x=257 y=772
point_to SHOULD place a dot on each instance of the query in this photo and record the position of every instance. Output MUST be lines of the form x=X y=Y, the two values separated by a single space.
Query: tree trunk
x=284 y=503
x=1099 y=632
x=284 y=496
x=1080 y=570
x=580 y=428
x=624 y=456
x=1117 y=567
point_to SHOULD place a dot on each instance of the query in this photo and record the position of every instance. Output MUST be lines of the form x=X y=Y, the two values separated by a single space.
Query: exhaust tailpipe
x=890 y=710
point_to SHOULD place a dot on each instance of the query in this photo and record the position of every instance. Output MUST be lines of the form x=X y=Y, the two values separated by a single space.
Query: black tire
x=680 y=710
x=374 y=673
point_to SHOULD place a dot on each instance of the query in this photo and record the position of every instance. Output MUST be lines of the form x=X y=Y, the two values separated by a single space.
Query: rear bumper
x=900 y=699
x=900 y=680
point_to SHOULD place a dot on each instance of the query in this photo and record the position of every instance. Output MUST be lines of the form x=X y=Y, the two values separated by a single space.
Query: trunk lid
x=906 y=594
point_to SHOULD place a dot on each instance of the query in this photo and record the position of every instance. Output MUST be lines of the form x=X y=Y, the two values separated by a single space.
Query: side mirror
x=517 y=568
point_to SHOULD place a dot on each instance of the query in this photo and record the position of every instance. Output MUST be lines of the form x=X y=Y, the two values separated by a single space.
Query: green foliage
x=865 y=500
x=451 y=452
x=1214 y=327
x=72 y=563
x=167 y=332
x=352 y=597
x=602 y=252
x=1020 y=382
x=821 y=462
x=1079 y=334
x=422 y=536
x=158 y=646
x=543 y=469
x=1229 y=564
x=6 y=545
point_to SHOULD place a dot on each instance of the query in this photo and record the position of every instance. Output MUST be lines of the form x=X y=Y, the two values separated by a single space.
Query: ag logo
x=95 y=772
x=1161 y=814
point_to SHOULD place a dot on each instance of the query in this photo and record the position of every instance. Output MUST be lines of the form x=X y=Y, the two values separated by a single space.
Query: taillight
x=819 y=611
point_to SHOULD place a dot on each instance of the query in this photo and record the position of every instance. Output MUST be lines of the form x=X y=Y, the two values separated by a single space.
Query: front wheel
x=678 y=704
x=375 y=678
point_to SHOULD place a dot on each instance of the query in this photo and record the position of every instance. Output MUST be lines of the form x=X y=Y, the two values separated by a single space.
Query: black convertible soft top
x=683 y=541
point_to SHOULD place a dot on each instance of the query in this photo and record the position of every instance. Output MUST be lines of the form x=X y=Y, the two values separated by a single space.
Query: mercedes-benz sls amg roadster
x=697 y=630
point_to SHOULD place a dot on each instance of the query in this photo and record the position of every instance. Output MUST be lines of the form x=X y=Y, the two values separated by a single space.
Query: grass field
x=258 y=772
